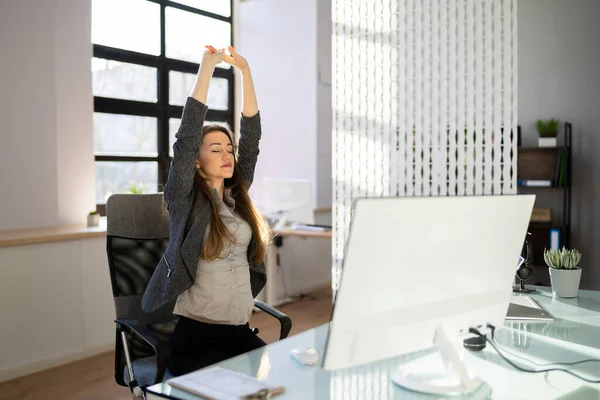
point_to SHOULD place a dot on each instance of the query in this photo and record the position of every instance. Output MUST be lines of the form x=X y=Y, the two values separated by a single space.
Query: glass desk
x=573 y=335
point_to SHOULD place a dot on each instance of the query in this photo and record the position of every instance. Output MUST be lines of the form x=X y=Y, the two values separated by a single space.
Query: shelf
x=552 y=165
x=541 y=187
x=547 y=225
x=534 y=148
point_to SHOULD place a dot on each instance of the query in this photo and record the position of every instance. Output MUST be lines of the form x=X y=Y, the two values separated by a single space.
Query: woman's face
x=215 y=160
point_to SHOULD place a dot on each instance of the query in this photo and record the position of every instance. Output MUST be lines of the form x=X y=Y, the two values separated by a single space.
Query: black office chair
x=137 y=234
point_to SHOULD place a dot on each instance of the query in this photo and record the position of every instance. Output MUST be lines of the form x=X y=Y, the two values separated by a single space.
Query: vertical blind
x=424 y=102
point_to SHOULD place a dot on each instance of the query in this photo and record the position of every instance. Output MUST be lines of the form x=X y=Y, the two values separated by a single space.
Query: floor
x=93 y=378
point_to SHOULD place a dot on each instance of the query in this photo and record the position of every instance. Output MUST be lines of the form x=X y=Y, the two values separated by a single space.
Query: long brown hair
x=243 y=205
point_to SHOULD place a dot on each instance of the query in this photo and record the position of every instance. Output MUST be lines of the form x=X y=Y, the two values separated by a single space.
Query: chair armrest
x=161 y=347
x=284 y=320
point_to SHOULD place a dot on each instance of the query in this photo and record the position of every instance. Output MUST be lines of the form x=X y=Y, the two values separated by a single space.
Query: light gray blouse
x=221 y=293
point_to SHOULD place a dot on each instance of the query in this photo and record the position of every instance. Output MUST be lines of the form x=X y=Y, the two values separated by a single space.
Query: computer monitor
x=419 y=272
x=292 y=197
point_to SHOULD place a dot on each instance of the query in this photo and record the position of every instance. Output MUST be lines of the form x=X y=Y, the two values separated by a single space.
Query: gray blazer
x=189 y=215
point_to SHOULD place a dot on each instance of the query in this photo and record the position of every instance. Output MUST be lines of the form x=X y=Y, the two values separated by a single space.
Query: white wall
x=74 y=111
x=46 y=159
x=279 y=39
x=60 y=306
x=28 y=115
x=559 y=76
x=288 y=46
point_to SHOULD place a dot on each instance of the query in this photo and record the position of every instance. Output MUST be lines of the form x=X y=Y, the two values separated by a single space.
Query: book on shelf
x=555 y=239
x=534 y=183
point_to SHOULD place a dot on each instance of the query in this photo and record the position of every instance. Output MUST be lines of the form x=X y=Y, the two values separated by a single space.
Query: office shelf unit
x=537 y=161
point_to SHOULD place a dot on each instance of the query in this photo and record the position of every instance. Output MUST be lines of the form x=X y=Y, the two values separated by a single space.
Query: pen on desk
x=263 y=394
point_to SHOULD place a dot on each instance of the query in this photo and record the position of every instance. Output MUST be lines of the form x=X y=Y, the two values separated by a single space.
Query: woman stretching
x=213 y=266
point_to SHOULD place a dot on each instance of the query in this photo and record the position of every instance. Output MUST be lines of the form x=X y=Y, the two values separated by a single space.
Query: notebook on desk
x=524 y=308
x=218 y=383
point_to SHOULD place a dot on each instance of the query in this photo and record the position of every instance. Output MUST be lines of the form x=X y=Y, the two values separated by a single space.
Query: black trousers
x=196 y=344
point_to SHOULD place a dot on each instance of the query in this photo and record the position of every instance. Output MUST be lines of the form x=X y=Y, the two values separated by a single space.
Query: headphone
x=525 y=270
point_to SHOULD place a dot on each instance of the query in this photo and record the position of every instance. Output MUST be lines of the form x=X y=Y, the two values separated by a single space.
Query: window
x=142 y=74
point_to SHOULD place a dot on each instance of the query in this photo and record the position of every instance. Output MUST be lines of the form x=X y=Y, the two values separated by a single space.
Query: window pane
x=123 y=80
x=173 y=127
x=180 y=85
x=221 y=7
x=123 y=177
x=188 y=33
x=127 y=24
x=117 y=134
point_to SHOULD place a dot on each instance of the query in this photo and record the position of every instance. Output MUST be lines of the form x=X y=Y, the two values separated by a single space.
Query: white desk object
x=306 y=356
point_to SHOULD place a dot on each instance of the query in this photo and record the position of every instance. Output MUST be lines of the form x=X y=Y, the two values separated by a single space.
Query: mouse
x=476 y=343
x=306 y=356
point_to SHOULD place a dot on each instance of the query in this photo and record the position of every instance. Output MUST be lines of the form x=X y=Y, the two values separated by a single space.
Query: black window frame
x=161 y=109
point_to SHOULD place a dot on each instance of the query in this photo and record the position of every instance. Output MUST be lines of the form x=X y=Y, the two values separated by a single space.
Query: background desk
x=305 y=265
x=574 y=335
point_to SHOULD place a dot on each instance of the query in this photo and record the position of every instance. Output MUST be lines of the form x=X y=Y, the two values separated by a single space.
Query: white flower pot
x=547 y=142
x=93 y=220
x=565 y=282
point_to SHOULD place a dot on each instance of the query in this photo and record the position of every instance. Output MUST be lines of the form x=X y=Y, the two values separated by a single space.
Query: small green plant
x=93 y=212
x=133 y=189
x=562 y=259
x=547 y=128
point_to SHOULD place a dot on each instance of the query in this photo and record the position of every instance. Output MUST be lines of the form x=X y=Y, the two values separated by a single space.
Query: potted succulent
x=565 y=273
x=547 y=131
x=93 y=219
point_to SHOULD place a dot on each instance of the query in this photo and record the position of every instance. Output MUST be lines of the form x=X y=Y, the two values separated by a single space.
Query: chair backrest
x=136 y=236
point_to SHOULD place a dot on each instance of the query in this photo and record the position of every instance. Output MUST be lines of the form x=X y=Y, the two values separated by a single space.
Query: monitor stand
x=441 y=372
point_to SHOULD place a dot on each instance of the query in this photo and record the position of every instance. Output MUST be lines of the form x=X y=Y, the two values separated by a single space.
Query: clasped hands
x=216 y=56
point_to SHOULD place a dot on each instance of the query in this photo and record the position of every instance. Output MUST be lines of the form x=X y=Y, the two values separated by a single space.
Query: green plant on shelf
x=547 y=128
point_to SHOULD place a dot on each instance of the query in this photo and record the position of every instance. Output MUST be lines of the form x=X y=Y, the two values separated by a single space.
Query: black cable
x=476 y=332
x=493 y=328
x=545 y=364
